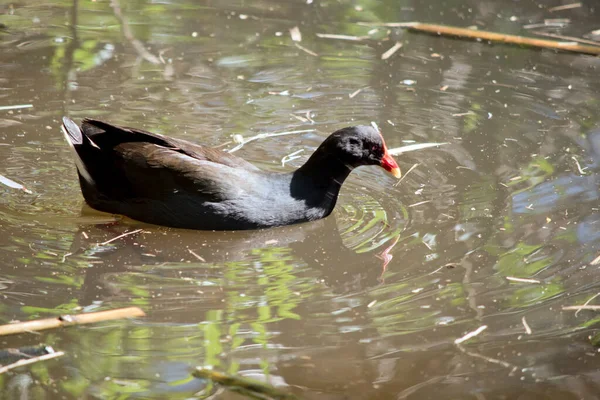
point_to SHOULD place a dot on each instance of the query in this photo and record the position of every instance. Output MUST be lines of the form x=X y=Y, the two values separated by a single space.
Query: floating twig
x=32 y=360
x=571 y=38
x=248 y=387
x=119 y=237
x=391 y=51
x=192 y=252
x=437 y=270
x=243 y=141
x=524 y=280
x=341 y=37
x=578 y=165
x=412 y=147
x=17 y=107
x=526 y=326
x=404 y=176
x=471 y=334
x=356 y=92
x=586 y=303
x=565 y=7
x=463 y=114
x=304 y=49
x=488 y=359
x=309 y=118
x=12 y=184
x=548 y=23
x=299 y=118
x=291 y=157
x=419 y=203
x=491 y=36
x=595 y=261
x=582 y=307
x=68 y=320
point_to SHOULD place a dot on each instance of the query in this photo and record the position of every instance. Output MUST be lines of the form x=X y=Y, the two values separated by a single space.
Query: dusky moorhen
x=173 y=182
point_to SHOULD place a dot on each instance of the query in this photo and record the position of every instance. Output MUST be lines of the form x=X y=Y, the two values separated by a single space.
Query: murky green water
x=366 y=304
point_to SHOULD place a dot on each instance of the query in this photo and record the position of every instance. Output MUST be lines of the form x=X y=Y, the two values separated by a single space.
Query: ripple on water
x=369 y=217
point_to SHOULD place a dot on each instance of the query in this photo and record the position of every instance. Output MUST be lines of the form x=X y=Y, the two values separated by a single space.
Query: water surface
x=366 y=304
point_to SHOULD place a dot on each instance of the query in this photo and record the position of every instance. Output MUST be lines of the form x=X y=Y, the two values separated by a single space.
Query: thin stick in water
x=582 y=307
x=565 y=7
x=304 y=49
x=578 y=165
x=119 y=237
x=526 y=326
x=524 y=280
x=28 y=361
x=192 y=252
x=407 y=172
x=486 y=358
x=357 y=91
x=471 y=335
x=67 y=320
x=291 y=157
x=563 y=37
x=419 y=203
x=412 y=147
x=587 y=302
x=12 y=184
x=491 y=36
x=391 y=51
x=341 y=37
x=595 y=261
x=266 y=135
x=16 y=107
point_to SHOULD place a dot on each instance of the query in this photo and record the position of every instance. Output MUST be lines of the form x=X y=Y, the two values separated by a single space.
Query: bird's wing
x=108 y=136
x=156 y=171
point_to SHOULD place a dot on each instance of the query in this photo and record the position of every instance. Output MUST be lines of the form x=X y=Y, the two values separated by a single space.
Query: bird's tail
x=75 y=139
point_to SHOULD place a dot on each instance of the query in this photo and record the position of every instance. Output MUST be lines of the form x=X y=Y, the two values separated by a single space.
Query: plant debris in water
x=248 y=387
x=12 y=184
x=16 y=107
x=471 y=335
x=26 y=361
x=242 y=141
x=412 y=147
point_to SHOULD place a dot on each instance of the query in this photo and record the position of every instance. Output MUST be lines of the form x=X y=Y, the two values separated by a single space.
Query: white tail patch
x=78 y=162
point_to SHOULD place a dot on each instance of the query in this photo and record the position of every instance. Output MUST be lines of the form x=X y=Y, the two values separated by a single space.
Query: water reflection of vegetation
x=256 y=293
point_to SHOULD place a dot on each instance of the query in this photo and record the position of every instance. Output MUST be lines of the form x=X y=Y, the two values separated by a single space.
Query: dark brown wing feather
x=159 y=172
x=107 y=136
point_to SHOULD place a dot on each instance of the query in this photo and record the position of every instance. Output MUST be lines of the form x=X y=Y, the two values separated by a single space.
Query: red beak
x=389 y=164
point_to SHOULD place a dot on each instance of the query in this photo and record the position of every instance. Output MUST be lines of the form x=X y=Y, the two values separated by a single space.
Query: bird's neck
x=319 y=180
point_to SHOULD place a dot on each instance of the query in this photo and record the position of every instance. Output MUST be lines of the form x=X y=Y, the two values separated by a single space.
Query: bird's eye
x=373 y=148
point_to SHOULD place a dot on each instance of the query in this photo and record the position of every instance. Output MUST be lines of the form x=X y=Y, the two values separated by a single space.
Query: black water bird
x=173 y=182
